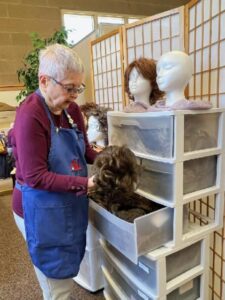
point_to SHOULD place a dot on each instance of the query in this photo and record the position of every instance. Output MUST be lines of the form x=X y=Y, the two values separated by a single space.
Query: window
x=79 y=26
x=110 y=20
x=132 y=20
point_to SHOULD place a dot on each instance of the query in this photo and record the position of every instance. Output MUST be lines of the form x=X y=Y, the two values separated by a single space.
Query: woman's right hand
x=91 y=182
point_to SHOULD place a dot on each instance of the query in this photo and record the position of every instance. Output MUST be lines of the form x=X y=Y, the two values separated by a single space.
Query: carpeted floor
x=17 y=278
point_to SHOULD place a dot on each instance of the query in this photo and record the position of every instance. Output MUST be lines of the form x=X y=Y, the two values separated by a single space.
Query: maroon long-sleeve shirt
x=31 y=144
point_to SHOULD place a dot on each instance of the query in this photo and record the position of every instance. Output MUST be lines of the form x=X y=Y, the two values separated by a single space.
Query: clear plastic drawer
x=158 y=178
x=200 y=131
x=148 y=232
x=188 y=291
x=147 y=270
x=143 y=134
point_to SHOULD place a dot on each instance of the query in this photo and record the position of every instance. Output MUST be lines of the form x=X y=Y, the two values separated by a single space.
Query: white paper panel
x=95 y=67
x=215 y=29
x=118 y=60
x=218 y=245
x=147 y=33
x=119 y=80
x=109 y=79
x=139 y=51
x=110 y=96
x=223 y=8
x=104 y=79
x=105 y=95
x=120 y=107
x=197 y=84
x=214 y=56
x=156 y=50
x=113 y=43
x=191 y=87
x=108 y=63
x=205 y=83
x=101 y=96
x=147 y=51
x=213 y=83
x=199 y=13
x=99 y=63
x=107 y=46
x=100 y=81
x=131 y=55
x=192 y=17
x=138 y=35
x=222 y=53
x=213 y=100
x=176 y=43
x=165 y=27
x=222 y=80
x=94 y=51
x=206 y=34
x=206 y=5
x=120 y=93
x=114 y=78
x=165 y=46
x=222 y=104
x=98 y=50
x=198 y=38
x=222 y=27
x=97 y=96
x=205 y=63
x=115 y=94
x=96 y=82
x=130 y=37
x=198 y=61
x=215 y=7
x=117 y=42
x=103 y=48
x=156 y=30
x=104 y=64
x=175 y=24
x=191 y=41
x=113 y=60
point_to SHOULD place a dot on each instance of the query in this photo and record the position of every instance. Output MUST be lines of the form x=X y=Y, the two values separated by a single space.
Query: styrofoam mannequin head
x=139 y=86
x=174 y=70
x=94 y=134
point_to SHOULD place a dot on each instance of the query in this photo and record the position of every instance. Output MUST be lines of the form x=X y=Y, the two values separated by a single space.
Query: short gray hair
x=57 y=60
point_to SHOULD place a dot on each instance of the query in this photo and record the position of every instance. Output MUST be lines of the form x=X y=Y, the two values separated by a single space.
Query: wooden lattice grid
x=205 y=43
x=107 y=73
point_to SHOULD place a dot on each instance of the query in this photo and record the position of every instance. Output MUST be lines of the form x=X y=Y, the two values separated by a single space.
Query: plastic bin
x=149 y=134
x=148 y=232
x=147 y=270
x=188 y=291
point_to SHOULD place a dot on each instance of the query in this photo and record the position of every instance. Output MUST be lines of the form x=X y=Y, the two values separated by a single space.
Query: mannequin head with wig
x=96 y=123
x=140 y=81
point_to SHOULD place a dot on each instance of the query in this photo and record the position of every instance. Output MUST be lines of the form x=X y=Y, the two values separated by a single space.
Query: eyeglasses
x=70 y=89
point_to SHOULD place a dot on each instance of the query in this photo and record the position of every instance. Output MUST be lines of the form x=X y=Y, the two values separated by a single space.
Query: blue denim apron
x=56 y=222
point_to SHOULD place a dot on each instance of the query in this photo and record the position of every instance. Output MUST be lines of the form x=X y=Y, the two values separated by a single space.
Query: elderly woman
x=51 y=152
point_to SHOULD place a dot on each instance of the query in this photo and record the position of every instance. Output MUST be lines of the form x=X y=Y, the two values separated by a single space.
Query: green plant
x=28 y=74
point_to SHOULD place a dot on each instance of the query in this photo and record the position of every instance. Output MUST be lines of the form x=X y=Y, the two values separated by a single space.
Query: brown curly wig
x=146 y=67
x=116 y=175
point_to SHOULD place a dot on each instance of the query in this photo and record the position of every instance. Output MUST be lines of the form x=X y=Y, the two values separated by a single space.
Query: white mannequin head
x=94 y=134
x=174 y=70
x=139 y=87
